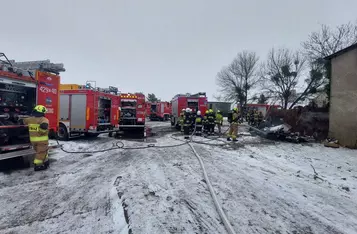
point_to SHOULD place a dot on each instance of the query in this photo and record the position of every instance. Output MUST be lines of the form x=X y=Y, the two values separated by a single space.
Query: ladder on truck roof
x=6 y=65
x=28 y=68
x=41 y=65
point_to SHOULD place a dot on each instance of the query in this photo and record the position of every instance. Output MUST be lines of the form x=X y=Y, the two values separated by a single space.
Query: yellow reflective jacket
x=38 y=128
x=219 y=118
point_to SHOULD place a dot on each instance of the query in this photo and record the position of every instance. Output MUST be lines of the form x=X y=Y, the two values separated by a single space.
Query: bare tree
x=262 y=99
x=325 y=42
x=239 y=77
x=313 y=85
x=281 y=74
x=328 y=41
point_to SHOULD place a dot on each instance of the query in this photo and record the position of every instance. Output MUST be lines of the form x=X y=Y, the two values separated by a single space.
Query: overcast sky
x=157 y=46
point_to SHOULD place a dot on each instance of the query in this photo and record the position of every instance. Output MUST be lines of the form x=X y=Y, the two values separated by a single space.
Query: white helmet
x=198 y=112
x=188 y=110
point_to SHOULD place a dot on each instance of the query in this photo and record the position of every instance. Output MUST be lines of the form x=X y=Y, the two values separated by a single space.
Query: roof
x=340 y=52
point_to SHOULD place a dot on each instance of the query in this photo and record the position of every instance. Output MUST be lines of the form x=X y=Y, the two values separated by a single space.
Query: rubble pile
x=296 y=125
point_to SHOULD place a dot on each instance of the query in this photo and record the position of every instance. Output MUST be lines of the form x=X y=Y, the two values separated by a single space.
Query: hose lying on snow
x=116 y=145
x=121 y=146
x=221 y=213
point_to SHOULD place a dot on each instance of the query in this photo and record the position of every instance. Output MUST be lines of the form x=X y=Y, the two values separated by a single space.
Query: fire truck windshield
x=193 y=105
x=128 y=104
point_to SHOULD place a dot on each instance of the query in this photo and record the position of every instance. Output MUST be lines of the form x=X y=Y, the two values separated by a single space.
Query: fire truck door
x=78 y=111
x=162 y=108
x=64 y=107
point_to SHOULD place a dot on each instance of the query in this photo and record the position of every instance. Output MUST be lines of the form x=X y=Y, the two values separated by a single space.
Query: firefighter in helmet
x=187 y=123
x=38 y=126
x=181 y=118
x=205 y=122
x=198 y=123
x=219 y=121
x=233 y=128
x=211 y=122
x=256 y=117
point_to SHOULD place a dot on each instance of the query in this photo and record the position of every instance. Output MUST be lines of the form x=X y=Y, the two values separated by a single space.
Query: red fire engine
x=197 y=102
x=87 y=110
x=23 y=86
x=132 y=113
x=160 y=111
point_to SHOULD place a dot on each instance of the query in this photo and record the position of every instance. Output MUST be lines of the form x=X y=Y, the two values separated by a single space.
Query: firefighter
x=260 y=118
x=233 y=128
x=251 y=119
x=187 y=123
x=38 y=126
x=256 y=117
x=193 y=120
x=247 y=118
x=211 y=122
x=198 y=123
x=181 y=118
x=219 y=121
x=205 y=122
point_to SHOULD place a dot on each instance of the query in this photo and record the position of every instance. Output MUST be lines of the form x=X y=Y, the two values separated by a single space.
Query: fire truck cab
x=197 y=102
x=132 y=113
x=22 y=87
x=87 y=110
x=160 y=111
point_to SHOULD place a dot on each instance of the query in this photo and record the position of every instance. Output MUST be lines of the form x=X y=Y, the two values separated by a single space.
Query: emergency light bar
x=128 y=96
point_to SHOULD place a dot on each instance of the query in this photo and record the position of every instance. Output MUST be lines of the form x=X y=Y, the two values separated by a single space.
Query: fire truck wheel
x=62 y=133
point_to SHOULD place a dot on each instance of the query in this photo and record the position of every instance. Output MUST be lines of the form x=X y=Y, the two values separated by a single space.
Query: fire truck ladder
x=41 y=65
x=4 y=60
x=28 y=68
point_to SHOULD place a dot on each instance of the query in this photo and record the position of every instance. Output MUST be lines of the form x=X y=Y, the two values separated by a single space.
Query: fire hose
x=218 y=206
x=120 y=145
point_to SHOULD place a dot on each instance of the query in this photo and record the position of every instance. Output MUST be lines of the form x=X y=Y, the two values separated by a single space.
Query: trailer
x=87 y=110
x=132 y=113
x=160 y=111
x=21 y=89
x=197 y=102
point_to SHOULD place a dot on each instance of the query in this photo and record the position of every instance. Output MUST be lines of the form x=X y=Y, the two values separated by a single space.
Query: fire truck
x=132 y=113
x=23 y=85
x=87 y=110
x=197 y=102
x=160 y=111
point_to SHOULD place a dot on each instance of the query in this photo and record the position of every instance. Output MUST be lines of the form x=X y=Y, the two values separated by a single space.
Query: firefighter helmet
x=40 y=109
x=198 y=112
x=188 y=110
x=218 y=111
x=207 y=111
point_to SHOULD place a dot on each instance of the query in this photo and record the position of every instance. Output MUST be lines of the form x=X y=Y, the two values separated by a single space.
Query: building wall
x=343 y=103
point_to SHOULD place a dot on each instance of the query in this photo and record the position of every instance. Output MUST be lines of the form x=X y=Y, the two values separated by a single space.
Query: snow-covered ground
x=263 y=186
